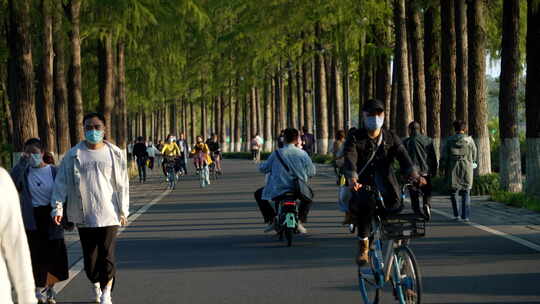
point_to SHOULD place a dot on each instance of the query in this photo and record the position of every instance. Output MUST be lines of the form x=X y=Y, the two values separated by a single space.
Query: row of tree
x=237 y=68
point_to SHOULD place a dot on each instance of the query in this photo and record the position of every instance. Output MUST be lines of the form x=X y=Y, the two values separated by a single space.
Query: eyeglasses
x=94 y=127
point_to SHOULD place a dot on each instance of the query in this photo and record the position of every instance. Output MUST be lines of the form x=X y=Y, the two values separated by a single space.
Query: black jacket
x=359 y=147
x=139 y=150
x=422 y=153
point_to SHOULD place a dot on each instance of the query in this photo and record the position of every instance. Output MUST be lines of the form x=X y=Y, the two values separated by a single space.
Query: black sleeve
x=432 y=159
x=350 y=157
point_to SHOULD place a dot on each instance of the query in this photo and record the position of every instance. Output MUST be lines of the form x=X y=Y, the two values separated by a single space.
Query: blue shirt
x=281 y=181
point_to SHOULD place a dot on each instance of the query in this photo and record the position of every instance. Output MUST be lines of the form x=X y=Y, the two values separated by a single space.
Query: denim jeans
x=141 y=164
x=465 y=203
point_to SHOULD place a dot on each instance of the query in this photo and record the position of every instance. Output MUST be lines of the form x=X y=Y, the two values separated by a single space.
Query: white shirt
x=259 y=140
x=152 y=151
x=97 y=187
x=41 y=183
x=15 y=264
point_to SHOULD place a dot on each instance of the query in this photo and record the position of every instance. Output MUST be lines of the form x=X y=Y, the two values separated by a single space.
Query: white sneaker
x=301 y=228
x=96 y=290
x=106 y=296
x=270 y=227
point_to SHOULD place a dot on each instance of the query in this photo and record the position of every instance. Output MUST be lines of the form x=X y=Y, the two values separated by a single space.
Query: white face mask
x=373 y=122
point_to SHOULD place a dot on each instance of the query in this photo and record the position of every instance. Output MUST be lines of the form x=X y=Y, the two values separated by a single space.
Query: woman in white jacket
x=15 y=264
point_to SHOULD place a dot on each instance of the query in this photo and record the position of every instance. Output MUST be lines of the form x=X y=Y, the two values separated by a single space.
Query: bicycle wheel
x=368 y=283
x=407 y=279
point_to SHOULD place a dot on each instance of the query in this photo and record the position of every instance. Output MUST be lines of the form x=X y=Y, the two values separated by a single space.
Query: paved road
x=206 y=246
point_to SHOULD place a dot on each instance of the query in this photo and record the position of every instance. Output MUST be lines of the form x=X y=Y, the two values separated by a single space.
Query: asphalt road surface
x=207 y=246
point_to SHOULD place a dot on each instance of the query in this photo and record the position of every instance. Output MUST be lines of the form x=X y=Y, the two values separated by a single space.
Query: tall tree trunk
x=510 y=157
x=75 y=78
x=329 y=97
x=308 y=96
x=222 y=128
x=122 y=98
x=45 y=106
x=320 y=96
x=238 y=121
x=383 y=75
x=291 y=109
x=461 y=61
x=403 y=93
x=393 y=97
x=203 y=112
x=174 y=116
x=448 y=68
x=417 y=50
x=20 y=52
x=433 y=76
x=477 y=71
x=268 y=138
x=106 y=80
x=339 y=119
x=252 y=113
x=346 y=97
x=532 y=97
x=299 y=100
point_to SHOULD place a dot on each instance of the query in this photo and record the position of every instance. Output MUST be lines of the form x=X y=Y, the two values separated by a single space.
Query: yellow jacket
x=171 y=149
x=202 y=147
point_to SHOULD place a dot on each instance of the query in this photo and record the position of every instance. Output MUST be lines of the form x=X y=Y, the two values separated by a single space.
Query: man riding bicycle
x=369 y=154
x=170 y=152
x=215 y=151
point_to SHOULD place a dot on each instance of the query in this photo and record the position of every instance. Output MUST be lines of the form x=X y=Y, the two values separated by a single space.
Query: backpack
x=458 y=149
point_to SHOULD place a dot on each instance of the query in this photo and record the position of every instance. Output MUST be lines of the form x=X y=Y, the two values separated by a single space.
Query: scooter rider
x=369 y=154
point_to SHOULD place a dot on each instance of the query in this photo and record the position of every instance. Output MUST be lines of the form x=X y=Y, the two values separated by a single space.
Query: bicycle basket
x=403 y=226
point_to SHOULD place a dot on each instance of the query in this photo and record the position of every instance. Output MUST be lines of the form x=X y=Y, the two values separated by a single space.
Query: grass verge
x=520 y=200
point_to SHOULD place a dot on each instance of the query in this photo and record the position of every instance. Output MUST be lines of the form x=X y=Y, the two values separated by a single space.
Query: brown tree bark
x=267 y=129
x=291 y=108
x=510 y=157
x=432 y=70
x=238 y=120
x=20 y=53
x=222 y=129
x=403 y=93
x=477 y=71
x=122 y=98
x=203 y=112
x=73 y=11
x=106 y=81
x=393 y=98
x=193 y=133
x=462 y=112
x=45 y=104
x=532 y=97
x=320 y=95
x=448 y=68
x=252 y=113
x=346 y=92
x=339 y=119
x=299 y=100
x=417 y=50
x=308 y=96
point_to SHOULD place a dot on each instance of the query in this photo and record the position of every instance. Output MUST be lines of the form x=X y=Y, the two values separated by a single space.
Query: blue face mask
x=36 y=160
x=373 y=122
x=94 y=136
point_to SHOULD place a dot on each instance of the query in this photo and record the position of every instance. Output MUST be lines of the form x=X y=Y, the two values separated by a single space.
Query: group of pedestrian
x=89 y=190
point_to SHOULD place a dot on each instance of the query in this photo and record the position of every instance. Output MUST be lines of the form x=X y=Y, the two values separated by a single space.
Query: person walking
x=34 y=180
x=308 y=141
x=422 y=153
x=93 y=179
x=152 y=153
x=16 y=269
x=141 y=154
x=255 y=149
x=459 y=160
x=184 y=148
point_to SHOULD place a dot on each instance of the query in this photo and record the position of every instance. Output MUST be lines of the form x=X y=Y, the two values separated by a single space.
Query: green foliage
x=520 y=200
x=323 y=159
x=483 y=185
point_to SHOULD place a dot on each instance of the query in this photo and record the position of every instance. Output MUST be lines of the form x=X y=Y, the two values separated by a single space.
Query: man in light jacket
x=15 y=264
x=92 y=183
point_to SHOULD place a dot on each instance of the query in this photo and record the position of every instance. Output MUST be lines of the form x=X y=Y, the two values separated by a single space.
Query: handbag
x=301 y=188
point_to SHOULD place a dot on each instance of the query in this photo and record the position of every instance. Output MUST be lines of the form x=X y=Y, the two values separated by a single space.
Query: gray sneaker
x=301 y=228
x=270 y=227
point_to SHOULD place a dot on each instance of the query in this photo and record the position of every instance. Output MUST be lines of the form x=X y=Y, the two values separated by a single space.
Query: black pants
x=151 y=163
x=269 y=213
x=141 y=165
x=49 y=257
x=363 y=207
x=426 y=196
x=99 y=246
